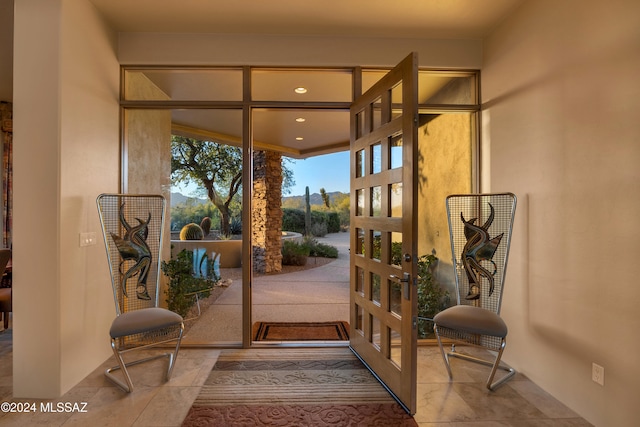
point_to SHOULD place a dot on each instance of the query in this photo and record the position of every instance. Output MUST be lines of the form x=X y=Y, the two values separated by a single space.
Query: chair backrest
x=480 y=227
x=133 y=228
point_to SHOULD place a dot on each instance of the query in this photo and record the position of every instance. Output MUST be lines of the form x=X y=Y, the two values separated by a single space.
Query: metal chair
x=133 y=228
x=480 y=227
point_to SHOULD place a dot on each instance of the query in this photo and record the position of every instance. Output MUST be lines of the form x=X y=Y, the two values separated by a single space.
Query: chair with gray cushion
x=480 y=227
x=133 y=229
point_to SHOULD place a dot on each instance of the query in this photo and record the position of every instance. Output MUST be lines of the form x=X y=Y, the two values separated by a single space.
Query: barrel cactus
x=205 y=224
x=191 y=231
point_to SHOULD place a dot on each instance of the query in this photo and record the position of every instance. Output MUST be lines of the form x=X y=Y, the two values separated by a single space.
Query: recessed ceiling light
x=299 y=138
x=301 y=119
x=300 y=90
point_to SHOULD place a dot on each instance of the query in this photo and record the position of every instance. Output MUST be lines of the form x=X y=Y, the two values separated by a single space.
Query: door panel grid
x=383 y=297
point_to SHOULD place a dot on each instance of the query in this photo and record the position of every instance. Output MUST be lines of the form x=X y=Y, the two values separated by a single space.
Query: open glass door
x=383 y=229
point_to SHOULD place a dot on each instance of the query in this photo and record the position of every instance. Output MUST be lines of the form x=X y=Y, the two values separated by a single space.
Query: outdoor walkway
x=318 y=294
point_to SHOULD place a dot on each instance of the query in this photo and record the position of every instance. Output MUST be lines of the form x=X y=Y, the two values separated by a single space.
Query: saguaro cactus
x=307 y=213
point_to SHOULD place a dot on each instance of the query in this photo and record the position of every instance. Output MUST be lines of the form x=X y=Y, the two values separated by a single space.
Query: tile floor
x=463 y=402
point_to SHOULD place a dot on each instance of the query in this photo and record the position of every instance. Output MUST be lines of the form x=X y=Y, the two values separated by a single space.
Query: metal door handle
x=406 y=289
x=403 y=279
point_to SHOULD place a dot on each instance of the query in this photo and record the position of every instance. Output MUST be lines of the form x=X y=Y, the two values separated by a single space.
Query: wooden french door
x=383 y=229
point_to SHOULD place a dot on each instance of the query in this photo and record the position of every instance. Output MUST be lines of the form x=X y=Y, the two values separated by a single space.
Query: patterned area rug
x=293 y=387
x=301 y=331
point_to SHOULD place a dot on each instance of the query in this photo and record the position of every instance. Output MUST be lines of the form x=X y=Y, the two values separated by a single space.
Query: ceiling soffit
x=207 y=103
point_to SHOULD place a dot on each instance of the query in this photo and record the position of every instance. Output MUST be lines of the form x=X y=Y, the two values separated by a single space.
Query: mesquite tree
x=214 y=166
x=217 y=169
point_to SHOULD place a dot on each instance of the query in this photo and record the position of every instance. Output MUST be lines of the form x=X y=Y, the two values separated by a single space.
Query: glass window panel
x=360 y=164
x=395 y=297
x=396 y=249
x=376 y=241
x=396 y=96
x=395 y=200
x=359 y=280
x=446 y=87
x=396 y=348
x=375 y=333
x=148 y=170
x=443 y=137
x=183 y=85
x=320 y=85
x=377 y=113
x=395 y=151
x=376 y=201
x=297 y=130
x=359 y=202
x=375 y=288
x=425 y=328
x=376 y=158
x=371 y=77
x=359 y=318
x=359 y=241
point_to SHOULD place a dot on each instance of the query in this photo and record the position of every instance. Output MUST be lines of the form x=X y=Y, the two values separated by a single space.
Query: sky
x=329 y=171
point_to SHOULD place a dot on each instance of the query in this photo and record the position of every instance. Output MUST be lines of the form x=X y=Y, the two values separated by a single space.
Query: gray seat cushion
x=146 y=319
x=471 y=319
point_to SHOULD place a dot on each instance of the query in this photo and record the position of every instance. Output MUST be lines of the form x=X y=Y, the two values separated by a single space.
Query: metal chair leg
x=495 y=365
x=128 y=385
x=445 y=358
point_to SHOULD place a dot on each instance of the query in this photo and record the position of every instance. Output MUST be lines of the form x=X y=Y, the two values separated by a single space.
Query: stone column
x=267 y=212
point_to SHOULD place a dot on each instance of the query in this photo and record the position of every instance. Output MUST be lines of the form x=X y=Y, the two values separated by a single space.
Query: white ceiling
x=442 y=19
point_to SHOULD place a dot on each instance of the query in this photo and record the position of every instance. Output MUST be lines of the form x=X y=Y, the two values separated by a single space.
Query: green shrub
x=431 y=297
x=323 y=250
x=294 y=253
x=235 y=227
x=183 y=284
x=319 y=229
x=333 y=222
x=293 y=220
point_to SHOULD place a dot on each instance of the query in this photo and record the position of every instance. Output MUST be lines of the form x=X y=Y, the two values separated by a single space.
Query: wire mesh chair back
x=480 y=227
x=133 y=231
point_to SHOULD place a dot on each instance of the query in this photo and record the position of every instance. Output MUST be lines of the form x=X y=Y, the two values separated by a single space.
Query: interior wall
x=561 y=106
x=246 y=49
x=66 y=120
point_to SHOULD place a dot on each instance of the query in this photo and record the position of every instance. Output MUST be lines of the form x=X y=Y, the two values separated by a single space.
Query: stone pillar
x=267 y=212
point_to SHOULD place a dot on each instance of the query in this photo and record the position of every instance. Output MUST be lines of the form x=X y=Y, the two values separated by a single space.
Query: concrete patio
x=314 y=295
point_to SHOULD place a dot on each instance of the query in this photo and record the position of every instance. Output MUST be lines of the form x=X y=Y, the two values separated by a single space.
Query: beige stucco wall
x=66 y=153
x=445 y=144
x=147 y=165
x=561 y=106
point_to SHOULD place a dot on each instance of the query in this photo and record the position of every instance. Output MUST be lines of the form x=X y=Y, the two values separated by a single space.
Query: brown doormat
x=301 y=331
x=319 y=387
